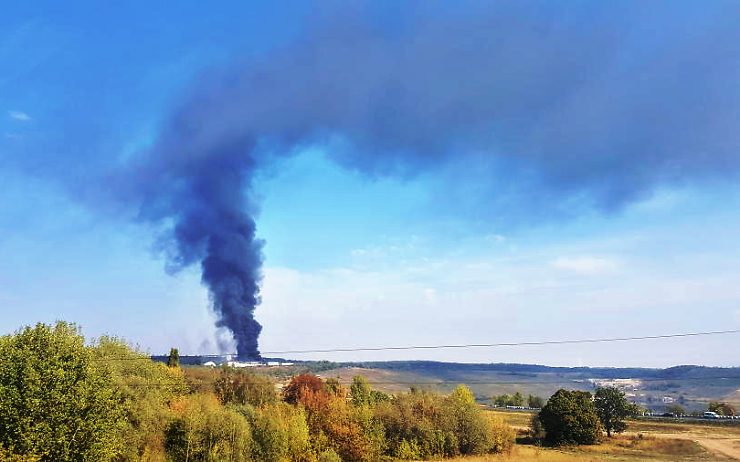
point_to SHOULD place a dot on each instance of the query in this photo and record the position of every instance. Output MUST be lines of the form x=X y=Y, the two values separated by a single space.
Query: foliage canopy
x=569 y=417
x=56 y=402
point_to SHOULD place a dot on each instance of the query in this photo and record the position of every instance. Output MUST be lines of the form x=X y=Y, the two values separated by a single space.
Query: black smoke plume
x=589 y=99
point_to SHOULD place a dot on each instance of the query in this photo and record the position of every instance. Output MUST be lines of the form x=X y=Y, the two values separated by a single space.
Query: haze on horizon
x=418 y=174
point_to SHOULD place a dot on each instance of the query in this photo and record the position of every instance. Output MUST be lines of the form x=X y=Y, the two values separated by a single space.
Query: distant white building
x=240 y=364
x=209 y=364
x=622 y=384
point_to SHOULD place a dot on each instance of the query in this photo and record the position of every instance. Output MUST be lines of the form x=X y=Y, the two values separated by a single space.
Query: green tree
x=676 y=409
x=242 y=387
x=613 y=409
x=424 y=425
x=517 y=399
x=469 y=426
x=205 y=431
x=536 y=430
x=147 y=387
x=56 y=402
x=304 y=387
x=174 y=359
x=569 y=417
x=328 y=456
x=279 y=431
x=535 y=402
x=360 y=391
x=721 y=408
x=502 y=400
x=417 y=426
x=334 y=387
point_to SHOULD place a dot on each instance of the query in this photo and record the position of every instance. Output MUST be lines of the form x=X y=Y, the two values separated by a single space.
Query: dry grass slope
x=621 y=449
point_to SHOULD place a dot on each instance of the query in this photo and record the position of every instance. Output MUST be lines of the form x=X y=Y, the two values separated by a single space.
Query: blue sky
x=585 y=224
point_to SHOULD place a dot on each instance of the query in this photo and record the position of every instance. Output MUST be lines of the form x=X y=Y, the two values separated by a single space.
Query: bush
x=502 y=436
x=415 y=426
x=569 y=417
x=536 y=430
x=426 y=425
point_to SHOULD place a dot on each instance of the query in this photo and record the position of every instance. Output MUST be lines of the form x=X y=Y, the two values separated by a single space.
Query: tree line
x=518 y=400
x=62 y=399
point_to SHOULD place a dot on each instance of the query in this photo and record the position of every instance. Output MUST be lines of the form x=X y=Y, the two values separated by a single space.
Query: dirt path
x=727 y=447
x=721 y=446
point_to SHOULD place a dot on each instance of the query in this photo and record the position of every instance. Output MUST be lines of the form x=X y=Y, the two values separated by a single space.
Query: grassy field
x=520 y=419
x=644 y=440
x=619 y=449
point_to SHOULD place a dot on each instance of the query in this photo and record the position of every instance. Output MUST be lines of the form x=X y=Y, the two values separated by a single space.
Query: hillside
x=690 y=386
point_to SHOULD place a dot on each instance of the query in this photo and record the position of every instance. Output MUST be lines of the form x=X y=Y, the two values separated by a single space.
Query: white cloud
x=585 y=265
x=19 y=115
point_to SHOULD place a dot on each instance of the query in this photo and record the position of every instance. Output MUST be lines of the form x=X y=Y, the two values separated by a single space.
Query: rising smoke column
x=597 y=102
x=201 y=193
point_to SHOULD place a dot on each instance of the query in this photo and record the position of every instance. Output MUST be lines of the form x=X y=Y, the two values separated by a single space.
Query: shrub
x=536 y=430
x=408 y=450
x=569 y=417
x=426 y=425
x=416 y=421
x=502 y=436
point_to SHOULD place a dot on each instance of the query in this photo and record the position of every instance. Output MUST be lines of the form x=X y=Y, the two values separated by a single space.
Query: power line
x=506 y=344
x=466 y=345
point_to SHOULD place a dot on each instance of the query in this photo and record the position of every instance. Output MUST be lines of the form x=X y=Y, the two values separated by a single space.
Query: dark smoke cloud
x=592 y=100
